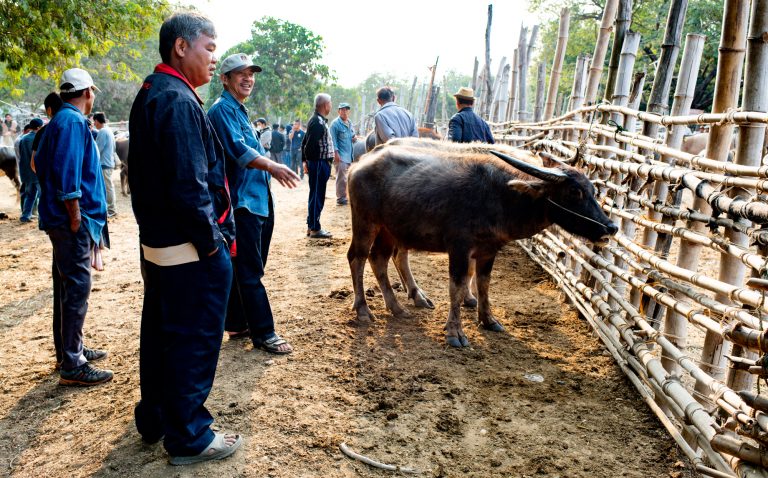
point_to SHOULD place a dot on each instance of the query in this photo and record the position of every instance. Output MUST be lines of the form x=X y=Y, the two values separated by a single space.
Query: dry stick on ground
x=355 y=456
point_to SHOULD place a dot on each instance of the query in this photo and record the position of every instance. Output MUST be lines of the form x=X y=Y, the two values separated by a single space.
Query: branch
x=345 y=449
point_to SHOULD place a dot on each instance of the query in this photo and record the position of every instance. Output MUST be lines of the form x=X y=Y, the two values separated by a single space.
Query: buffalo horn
x=545 y=174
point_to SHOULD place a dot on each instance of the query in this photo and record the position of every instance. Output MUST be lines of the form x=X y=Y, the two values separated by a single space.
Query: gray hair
x=186 y=25
x=321 y=99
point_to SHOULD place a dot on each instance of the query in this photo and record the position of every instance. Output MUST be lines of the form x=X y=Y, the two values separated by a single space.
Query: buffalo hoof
x=365 y=315
x=470 y=302
x=493 y=326
x=402 y=314
x=457 y=342
x=422 y=301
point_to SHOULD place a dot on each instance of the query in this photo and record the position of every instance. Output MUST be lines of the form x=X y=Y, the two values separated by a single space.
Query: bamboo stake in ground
x=749 y=152
x=557 y=62
x=733 y=40
x=601 y=47
x=623 y=20
x=503 y=106
x=522 y=73
x=487 y=68
x=512 y=106
x=539 y=104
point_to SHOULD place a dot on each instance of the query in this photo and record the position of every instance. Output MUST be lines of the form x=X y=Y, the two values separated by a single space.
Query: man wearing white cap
x=248 y=171
x=466 y=126
x=343 y=135
x=73 y=212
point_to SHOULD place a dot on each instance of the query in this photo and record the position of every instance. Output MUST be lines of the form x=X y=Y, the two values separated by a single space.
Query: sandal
x=217 y=450
x=272 y=345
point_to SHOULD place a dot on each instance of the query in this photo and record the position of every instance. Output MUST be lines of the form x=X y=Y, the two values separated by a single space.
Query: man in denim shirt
x=72 y=212
x=248 y=171
x=343 y=136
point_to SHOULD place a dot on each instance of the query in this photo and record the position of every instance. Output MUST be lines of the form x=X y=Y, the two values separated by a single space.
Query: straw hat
x=465 y=93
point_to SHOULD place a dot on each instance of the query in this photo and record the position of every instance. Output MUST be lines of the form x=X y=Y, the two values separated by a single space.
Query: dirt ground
x=392 y=390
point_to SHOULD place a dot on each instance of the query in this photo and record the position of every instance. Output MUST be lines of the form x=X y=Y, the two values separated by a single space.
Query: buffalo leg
x=359 y=249
x=458 y=268
x=383 y=247
x=415 y=293
x=483 y=278
x=470 y=301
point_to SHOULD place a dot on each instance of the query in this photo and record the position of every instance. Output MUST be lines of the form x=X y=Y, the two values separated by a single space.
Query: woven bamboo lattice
x=631 y=288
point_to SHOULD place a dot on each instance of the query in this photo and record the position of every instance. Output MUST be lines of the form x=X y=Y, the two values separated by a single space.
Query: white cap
x=76 y=79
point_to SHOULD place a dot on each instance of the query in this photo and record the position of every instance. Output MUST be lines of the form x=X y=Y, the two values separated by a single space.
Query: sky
x=404 y=39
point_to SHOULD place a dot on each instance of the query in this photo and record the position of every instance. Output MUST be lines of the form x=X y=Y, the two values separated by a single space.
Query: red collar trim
x=169 y=70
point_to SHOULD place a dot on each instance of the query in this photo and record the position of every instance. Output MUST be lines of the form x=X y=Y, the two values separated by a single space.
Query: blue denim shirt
x=249 y=187
x=342 y=134
x=466 y=126
x=296 y=140
x=105 y=141
x=67 y=165
x=25 y=158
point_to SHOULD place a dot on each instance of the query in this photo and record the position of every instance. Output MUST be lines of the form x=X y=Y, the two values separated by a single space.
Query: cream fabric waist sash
x=171 y=255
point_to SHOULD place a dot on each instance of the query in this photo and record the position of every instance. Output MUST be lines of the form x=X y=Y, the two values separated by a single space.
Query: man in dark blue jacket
x=182 y=207
x=466 y=126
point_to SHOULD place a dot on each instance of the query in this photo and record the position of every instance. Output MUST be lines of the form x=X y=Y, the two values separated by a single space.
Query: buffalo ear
x=533 y=189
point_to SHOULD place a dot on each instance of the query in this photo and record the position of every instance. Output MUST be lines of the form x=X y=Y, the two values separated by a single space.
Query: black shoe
x=93 y=355
x=84 y=375
x=321 y=234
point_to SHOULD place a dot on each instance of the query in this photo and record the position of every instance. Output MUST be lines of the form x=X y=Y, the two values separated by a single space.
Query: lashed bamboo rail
x=673 y=204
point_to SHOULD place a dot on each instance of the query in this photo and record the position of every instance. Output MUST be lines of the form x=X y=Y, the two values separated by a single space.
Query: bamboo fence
x=678 y=296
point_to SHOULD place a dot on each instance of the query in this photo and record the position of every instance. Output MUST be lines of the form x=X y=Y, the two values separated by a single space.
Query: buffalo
x=468 y=200
x=9 y=166
x=121 y=148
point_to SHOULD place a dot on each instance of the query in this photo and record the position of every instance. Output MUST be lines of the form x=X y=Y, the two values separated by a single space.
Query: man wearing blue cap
x=248 y=171
x=343 y=135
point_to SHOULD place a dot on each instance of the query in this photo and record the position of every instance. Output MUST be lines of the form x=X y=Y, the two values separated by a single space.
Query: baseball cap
x=344 y=105
x=35 y=123
x=76 y=79
x=238 y=61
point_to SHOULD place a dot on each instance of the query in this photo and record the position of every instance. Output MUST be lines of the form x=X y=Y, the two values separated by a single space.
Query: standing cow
x=121 y=149
x=461 y=200
x=9 y=166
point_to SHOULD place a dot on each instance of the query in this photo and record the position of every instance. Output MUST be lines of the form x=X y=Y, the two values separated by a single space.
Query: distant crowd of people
x=201 y=195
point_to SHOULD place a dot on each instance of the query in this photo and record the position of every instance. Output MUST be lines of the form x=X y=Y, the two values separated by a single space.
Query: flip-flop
x=272 y=345
x=217 y=450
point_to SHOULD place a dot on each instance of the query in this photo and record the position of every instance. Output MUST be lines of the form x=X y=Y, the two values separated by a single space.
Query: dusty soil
x=390 y=389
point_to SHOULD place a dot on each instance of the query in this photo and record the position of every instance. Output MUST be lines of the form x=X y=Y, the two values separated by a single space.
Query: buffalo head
x=570 y=197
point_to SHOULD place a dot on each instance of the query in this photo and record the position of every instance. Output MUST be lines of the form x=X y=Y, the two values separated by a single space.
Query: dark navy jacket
x=466 y=126
x=176 y=167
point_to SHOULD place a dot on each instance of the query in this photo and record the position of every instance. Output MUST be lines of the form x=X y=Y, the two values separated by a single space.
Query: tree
x=45 y=37
x=291 y=75
x=648 y=19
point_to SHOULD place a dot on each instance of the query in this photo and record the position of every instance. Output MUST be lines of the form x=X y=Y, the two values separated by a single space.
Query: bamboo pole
x=577 y=91
x=601 y=47
x=429 y=122
x=538 y=111
x=522 y=87
x=748 y=152
x=729 y=69
x=474 y=76
x=497 y=82
x=487 y=67
x=504 y=91
x=557 y=63
x=623 y=20
x=512 y=107
x=413 y=91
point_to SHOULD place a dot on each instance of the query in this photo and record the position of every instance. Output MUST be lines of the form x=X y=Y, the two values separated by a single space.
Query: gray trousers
x=106 y=173
x=341 y=180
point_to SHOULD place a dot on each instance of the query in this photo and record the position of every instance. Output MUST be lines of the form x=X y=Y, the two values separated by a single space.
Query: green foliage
x=292 y=74
x=45 y=37
x=648 y=19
